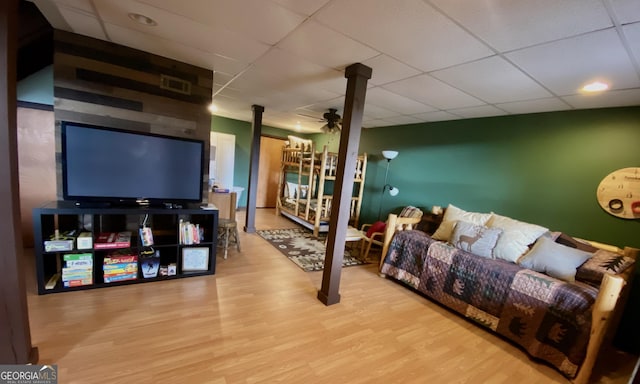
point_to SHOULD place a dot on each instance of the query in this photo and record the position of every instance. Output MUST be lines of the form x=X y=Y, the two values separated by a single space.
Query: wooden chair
x=227 y=225
x=410 y=215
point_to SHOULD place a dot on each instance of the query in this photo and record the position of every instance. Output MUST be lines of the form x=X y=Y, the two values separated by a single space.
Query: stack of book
x=77 y=270
x=189 y=233
x=120 y=267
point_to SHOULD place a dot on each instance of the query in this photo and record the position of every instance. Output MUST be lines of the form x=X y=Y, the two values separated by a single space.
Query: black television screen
x=101 y=164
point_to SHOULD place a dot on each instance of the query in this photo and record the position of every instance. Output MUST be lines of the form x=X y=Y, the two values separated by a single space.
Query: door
x=221 y=159
x=269 y=172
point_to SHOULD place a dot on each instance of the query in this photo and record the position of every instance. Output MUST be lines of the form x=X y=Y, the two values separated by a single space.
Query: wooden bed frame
x=314 y=170
x=607 y=308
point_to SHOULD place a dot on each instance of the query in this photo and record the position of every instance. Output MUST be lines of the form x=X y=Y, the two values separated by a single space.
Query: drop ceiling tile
x=432 y=92
x=402 y=120
x=83 y=5
x=627 y=11
x=305 y=95
x=372 y=112
x=625 y=97
x=386 y=69
x=413 y=32
x=83 y=23
x=377 y=123
x=221 y=77
x=226 y=65
x=632 y=33
x=324 y=46
x=213 y=38
x=317 y=109
x=291 y=71
x=564 y=66
x=258 y=20
x=493 y=80
x=534 y=106
x=305 y=7
x=508 y=25
x=394 y=102
x=233 y=108
x=255 y=81
x=482 y=111
x=437 y=116
x=162 y=47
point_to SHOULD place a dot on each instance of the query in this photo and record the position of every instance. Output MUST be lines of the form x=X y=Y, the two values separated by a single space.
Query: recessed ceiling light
x=596 y=86
x=142 y=19
x=212 y=108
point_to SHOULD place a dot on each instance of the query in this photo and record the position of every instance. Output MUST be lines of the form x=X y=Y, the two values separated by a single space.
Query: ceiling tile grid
x=432 y=60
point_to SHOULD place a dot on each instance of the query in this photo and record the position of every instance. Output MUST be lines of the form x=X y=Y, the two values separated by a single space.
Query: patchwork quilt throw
x=549 y=318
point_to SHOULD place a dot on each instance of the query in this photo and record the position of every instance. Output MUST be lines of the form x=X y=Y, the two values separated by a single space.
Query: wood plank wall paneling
x=102 y=83
x=37 y=167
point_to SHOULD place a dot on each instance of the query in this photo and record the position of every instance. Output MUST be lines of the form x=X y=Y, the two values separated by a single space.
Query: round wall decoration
x=619 y=193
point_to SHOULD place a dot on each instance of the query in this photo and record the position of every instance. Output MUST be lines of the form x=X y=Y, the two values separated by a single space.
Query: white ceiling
x=432 y=60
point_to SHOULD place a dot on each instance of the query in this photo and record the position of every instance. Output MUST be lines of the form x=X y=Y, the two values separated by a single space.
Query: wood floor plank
x=257 y=320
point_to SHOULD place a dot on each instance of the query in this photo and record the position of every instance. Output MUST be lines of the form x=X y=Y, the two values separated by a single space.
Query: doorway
x=269 y=171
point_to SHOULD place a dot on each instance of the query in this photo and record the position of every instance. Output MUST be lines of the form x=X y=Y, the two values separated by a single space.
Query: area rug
x=306 y=251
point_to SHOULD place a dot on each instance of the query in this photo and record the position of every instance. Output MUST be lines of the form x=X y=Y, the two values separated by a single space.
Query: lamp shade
x=389 y=155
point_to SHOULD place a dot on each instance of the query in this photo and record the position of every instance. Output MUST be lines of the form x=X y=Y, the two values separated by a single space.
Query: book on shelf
x=52 y=281
x=109 y=240
x=189 y=233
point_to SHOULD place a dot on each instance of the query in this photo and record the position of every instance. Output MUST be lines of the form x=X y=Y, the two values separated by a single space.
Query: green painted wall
x=541 y=168
x=242 y=131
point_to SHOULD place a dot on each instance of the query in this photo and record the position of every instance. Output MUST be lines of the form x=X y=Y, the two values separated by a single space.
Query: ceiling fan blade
x=310 y=117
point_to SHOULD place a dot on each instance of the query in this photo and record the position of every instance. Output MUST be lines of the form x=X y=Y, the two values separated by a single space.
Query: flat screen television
x=114 y=166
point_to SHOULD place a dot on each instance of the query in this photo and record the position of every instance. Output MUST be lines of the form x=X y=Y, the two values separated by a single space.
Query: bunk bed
x=306 y=181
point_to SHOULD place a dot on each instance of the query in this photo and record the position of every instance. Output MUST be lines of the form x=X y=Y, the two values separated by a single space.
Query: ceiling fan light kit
x=333 y=121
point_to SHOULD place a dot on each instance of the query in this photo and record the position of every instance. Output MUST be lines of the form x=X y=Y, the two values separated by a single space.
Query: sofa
x=553 y=295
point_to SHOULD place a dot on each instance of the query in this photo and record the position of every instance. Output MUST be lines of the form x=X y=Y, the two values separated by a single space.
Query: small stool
x=228 y=232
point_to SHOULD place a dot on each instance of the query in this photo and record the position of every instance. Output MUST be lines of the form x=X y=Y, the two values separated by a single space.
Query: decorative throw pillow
x=569 y=241
x=453 y=214
x=556 y=260
x=410 y=211
x=292 y=189
x=602 y=262
x=378 y=226
x=476 y=239
x=303 y=191
x=515 y=238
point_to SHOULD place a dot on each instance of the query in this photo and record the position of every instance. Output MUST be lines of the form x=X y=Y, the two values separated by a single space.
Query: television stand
x=183 y=250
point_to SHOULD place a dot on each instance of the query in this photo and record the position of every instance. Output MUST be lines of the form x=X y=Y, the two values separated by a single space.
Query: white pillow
x=554 y=259
x=453 y=214
x=516 y=237
x=476 y=239
x=292 y=188
x=303 y=191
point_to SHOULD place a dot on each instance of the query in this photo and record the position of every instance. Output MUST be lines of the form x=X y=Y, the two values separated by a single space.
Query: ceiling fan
x=334 y=121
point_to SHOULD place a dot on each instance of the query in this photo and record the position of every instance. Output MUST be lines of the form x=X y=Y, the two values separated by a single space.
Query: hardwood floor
x=257 y=320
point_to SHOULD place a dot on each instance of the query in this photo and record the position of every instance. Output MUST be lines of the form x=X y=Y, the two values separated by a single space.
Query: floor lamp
x=393 y=191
